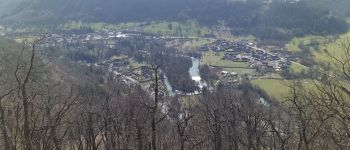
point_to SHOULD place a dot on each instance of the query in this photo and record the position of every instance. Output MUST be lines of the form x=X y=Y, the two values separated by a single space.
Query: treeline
x=287 y=20
x=279 y=20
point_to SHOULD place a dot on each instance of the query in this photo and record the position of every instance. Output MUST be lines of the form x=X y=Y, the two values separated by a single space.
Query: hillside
x=97 y=10
x=268 y=21
x=336 y=7
x=6 y=6
x=68 y=72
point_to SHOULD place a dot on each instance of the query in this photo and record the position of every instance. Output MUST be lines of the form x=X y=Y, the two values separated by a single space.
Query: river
x=169 y=88
x=195 y=76
x=194 y=73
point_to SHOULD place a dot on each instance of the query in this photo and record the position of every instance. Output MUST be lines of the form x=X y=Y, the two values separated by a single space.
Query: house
x=233 y=74
x=224 y=73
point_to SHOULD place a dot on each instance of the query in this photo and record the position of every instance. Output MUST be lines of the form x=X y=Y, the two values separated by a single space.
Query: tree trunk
x=156 y=91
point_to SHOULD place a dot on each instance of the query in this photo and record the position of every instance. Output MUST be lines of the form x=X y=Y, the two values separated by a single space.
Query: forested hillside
x=336 y=7
x=7 y=6
x=275 y=20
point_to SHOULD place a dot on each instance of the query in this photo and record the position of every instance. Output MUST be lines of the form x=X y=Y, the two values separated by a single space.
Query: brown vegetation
x=38 y=112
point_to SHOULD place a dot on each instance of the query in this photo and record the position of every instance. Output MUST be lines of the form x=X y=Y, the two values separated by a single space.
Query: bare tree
x=4 y=128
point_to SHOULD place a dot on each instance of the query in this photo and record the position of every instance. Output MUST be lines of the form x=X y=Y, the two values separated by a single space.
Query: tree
x=23 y=81
x=155 y=106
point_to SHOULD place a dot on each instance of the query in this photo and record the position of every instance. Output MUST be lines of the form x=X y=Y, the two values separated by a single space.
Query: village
x=237 y=51
x=244 y=51
x=133 y=71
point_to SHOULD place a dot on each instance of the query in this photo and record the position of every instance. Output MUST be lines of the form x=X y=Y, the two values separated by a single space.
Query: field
x=334 y=49
x=297 y=68
x=328 y=46
x=98 y=25
x=240 y=70
x=135 y=65
x=275 y=88
x=189 y=28
x=293 y=45
x=119 y=57
x=196 y=43
x=215 y=59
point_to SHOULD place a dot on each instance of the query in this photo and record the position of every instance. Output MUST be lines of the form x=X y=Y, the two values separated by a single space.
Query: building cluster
x=119 y=65
x=244 y=51
x=224 y=45
x=105 y=35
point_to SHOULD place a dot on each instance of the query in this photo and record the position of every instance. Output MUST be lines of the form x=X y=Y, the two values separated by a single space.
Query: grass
x=328 y=46
x=189 y=29
x=98 y=25
x=297 y=67
x=293 y=46
x=134 y=64
x=119 y=57
x=271 y=76
x=215 y=59
x=196 y=43
x=333 y=48
x=240 y=70
x=275 y=88
x=279 y=89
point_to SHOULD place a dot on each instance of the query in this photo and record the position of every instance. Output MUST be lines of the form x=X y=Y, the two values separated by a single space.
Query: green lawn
x=136 y=65
x=293 y=45
x=119 y=57
x=189 y=28
x=297 y=67
x=98 y=25
x=334 y=48
x=196 y=43
x=326 y=46
x=271 y=76
x=279 y=89
x=215 y=59
x=275 y=88
x=240 y=70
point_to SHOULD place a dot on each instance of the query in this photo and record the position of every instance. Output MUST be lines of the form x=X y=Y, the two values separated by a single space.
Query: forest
x=278 y=20
x=41 y=107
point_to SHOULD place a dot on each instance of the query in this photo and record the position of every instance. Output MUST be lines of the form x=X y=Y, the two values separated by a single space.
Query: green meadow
x=216 y=59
